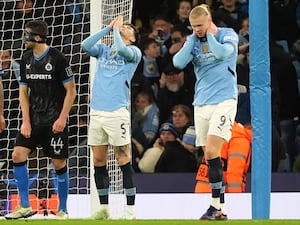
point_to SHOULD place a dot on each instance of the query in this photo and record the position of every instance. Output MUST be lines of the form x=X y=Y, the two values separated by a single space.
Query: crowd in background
x=163 y=136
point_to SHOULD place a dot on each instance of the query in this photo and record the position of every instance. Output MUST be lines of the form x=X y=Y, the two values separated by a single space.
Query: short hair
x=38 y=27
x=135 y=33
x=183 y=30
x=185 y=110
x=145 y=42
x=200 y=10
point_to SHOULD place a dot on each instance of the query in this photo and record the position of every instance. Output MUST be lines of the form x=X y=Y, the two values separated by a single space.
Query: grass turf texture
x=147 y=222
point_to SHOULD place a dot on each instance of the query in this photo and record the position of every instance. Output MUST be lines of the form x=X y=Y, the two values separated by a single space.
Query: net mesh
x=69 y=23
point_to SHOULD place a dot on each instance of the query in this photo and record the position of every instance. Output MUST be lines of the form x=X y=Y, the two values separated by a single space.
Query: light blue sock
x=63 y=190
x=21 y=175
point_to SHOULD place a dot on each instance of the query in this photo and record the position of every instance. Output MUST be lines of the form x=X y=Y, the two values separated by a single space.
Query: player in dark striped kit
x=47 y=92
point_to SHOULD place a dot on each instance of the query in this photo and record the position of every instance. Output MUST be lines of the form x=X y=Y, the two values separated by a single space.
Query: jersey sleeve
x=64 y=69
x=22 y=79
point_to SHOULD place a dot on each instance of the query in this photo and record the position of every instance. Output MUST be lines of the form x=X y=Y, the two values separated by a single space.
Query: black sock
x=102 y=183
x=128 y=183
x=215 y=176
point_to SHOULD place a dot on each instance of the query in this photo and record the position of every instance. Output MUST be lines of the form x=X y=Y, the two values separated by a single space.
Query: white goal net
x=70 y=21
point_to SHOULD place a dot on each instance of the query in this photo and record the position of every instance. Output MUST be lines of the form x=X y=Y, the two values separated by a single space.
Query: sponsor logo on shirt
x=39 y=76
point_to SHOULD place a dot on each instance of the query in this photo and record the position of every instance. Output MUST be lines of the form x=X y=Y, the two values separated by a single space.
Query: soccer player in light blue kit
x=109 y=115
x=213 y=52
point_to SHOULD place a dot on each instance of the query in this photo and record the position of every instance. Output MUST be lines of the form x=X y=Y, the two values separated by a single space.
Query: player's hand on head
x=212 y=28
x=112 y=23
x=119 y=21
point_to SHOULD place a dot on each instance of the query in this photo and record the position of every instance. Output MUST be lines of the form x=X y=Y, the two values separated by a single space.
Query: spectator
x=229 y=14
x=174 y=90
x=176 y=158
x=182 y=118
x=167 y=132
x=147 y=74
x=178 y=37
x=145 y=120
x=161 y=32
x=289 y=102
x=183 y=10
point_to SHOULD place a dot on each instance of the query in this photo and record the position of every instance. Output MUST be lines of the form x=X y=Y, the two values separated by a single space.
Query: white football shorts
x=109 y=127
x=214 y=120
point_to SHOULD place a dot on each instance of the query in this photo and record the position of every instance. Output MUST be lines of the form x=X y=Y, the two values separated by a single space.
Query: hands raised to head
x=116 y=22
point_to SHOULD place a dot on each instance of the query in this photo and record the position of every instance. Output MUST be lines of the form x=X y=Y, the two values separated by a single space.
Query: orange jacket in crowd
x=236 y=157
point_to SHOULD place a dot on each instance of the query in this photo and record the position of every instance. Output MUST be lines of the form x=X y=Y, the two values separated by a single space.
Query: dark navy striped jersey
x=45 y=76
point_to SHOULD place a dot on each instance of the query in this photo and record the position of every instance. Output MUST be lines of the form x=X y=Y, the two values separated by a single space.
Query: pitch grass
x=148 y=222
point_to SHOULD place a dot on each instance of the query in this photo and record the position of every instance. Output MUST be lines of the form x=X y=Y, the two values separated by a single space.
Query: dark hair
x=135 y=33
x=38 y=27
x=145 y=42
x=183 y=30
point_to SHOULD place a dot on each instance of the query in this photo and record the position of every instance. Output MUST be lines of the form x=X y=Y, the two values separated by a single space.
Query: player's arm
x=70 y=96
x=2 y=120
x=24 y=103
x=89 y=44
x=184 y=55
x=131 y=53
x=221 y=51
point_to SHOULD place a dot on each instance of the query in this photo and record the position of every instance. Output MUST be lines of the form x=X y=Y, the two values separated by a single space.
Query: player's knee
x=20 y=155
x=59 y=163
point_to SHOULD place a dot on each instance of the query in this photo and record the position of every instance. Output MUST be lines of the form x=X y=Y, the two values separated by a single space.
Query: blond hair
x=200 y=10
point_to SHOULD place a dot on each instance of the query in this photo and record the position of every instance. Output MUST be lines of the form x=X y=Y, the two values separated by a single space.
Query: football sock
x=215 y=176
x=21 y=175
x=128 y=183
x=102 y=183
x=62 y=188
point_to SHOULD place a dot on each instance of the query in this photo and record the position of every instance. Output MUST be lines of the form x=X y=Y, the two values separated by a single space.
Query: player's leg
x=221 y=121
x=98 y=141
x=61 y=170
x=215 y=174
x=56 y=147
x=101 y=179
x=119 y=133
x=123 y=156
x=19 y=157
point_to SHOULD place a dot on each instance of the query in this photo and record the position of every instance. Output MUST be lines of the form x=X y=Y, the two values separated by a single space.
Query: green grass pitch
x=147 y=222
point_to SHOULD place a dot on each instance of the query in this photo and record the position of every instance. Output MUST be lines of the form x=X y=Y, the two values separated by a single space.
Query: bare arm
x=61 y=122
x=24 y=102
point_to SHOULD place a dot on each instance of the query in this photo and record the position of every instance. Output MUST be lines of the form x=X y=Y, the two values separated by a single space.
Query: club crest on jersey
x=204 y=48
x=113 y=52
x=48 y=67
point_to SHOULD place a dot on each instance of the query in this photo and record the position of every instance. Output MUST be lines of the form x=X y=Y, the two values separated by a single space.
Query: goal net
x=70 y=21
